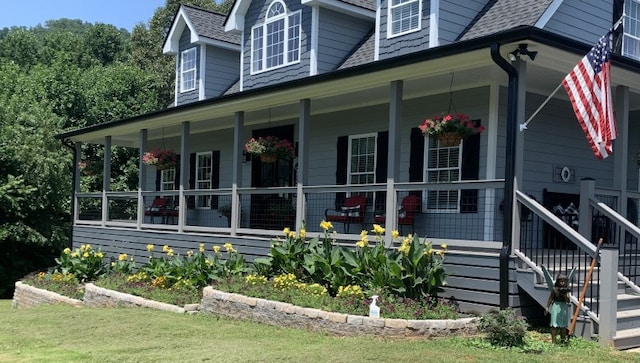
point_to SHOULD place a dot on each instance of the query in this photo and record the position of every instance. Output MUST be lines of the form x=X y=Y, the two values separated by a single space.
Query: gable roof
x=499 y=15
x=206 y=27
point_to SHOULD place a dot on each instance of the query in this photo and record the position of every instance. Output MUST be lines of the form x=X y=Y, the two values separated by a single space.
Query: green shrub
x=85 y=263
x=504 y=328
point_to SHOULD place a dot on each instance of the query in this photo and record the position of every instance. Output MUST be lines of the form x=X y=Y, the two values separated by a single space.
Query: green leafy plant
x=85 y=263
x=504 y=328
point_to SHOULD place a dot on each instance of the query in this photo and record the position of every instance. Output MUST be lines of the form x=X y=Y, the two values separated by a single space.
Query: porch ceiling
x=430 y=76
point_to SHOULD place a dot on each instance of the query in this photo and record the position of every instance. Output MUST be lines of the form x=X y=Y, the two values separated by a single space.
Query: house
x=347 y=82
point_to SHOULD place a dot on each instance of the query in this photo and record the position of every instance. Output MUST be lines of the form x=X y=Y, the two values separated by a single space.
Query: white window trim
x=198 y=181
x=194 y=69
x=425 y=195
x=389 y=19
x=375 y=163
x=626 y=35
x=285 y=52
x=162 y=182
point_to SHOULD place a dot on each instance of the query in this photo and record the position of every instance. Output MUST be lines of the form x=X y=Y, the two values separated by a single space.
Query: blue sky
x=121 y=13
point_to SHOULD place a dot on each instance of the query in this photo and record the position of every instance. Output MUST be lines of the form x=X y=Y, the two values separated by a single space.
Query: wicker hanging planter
x=449 y=139
x=268 y=158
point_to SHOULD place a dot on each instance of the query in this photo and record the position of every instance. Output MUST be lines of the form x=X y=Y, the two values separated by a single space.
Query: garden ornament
x=558 y=303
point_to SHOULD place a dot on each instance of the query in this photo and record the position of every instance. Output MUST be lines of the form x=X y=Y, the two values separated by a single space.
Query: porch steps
x=628 y=314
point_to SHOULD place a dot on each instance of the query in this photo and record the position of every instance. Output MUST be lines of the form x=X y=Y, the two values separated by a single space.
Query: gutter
x=509 y=172
x=72 y=146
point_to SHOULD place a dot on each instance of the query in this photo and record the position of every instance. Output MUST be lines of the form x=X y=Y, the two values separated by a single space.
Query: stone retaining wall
x=26 y=296
x=284 y=314
x=96 y=296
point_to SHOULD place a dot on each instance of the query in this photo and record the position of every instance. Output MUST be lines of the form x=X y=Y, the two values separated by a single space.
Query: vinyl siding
x=403 y=44
x=338 y=35
x=582 y=20
x=185 y=43
x=256 y=15
x=222 y=70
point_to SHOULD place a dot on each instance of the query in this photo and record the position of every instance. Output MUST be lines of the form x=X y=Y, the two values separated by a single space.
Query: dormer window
x=404 y=17
x=276 y=43
x=188 y=70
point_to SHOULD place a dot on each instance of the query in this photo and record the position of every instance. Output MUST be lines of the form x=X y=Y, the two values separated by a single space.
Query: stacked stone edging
x=95 y=296
x=26 y=296
x=285 y=314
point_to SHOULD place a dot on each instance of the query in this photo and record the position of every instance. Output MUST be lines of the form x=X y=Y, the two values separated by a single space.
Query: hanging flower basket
x=449 y=139
x=162 y=159
x=270 y=148
x=268 y=158
x=450 y=129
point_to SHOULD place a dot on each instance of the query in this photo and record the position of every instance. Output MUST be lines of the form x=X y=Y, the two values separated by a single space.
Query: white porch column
x=303 y=159
x=621 y=152
x=608 y=295
x=106 y=179
x=142 y=177
x=521 y=98
x=393 y=158
x=236 y=177
x=184 y=173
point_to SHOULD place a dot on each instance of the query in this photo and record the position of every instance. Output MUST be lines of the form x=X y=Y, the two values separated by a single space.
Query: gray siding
x=256 y=15
x=455 y=16
x=185 y=43
x=403 y=44
x=582 y=20
x=338 y=35
x=222 y=70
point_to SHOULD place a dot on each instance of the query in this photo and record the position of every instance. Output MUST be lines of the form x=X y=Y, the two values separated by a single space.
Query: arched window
x=276 y=42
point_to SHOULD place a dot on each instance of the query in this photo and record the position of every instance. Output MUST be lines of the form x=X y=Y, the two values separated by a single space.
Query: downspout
x=71 y=145
x=509 y=171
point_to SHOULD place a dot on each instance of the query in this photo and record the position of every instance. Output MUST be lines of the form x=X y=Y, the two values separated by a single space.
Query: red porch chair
x=352 y=211
x=156 y=209
x=406 y=215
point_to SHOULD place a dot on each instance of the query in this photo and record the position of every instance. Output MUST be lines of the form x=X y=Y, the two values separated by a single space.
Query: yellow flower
x=170 y=252
x=150 y=247
x=228 y=246
x=404 y=249
x=100 y=255
x=286 y=231
x=74 y=254
x=85 y=255
x=216 y=249
x=165 y=249
x=113 y=264
x=122 y=257
x=440 y=253
x=326 y=225
x=303 y=233
x=395 y=233
x=444 y=246
x=377 y=229
x=189 y=253
x=201 y=247
x=67 y=251
x=364 y=233
x=292 y=234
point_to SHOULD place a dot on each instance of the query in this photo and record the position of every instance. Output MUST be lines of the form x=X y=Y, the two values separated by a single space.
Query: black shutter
x=341 y=167
x=416 y=160
x=191 y=200
x=176 y=182
x=382 y=150
x=470 y=171
x=215 y=177
x=158 y=179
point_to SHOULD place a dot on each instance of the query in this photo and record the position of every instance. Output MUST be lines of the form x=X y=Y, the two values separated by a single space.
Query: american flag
x=589 y=88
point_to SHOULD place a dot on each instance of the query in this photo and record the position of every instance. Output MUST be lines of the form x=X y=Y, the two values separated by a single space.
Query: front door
x=273 y=211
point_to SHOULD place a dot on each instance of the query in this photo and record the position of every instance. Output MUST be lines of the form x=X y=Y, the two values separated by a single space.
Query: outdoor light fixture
x=522 y=50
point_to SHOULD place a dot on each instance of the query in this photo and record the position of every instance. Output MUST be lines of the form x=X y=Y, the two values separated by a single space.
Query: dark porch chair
x=352 y=211
x=410 y=206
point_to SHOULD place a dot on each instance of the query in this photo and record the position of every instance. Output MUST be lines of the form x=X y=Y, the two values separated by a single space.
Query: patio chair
x=156 y=209
x=352 y=211
x=410 y=206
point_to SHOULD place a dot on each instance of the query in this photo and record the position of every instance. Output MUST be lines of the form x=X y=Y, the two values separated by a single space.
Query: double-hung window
x=444 y=165
x=188 y=70
x=276 y=43
x=362 y=160
x=404 y=16
x=631 y=27
x=203 y=178
x=168 y=179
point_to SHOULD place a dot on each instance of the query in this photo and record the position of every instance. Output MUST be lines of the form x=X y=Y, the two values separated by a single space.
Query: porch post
x=608 y=294
x=521 y=97
x=184 y=173
x=106 y=179
x=393 y=156
x=236 y=177
x=76 y=180
x=142 y=177
x=620 y=157
x=303 y=158
x=587 y=190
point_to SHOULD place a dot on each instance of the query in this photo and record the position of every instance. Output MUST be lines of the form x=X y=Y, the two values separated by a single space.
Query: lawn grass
x=68 y=334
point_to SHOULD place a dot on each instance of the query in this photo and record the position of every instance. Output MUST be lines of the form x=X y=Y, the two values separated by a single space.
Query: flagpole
x=524 y=125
